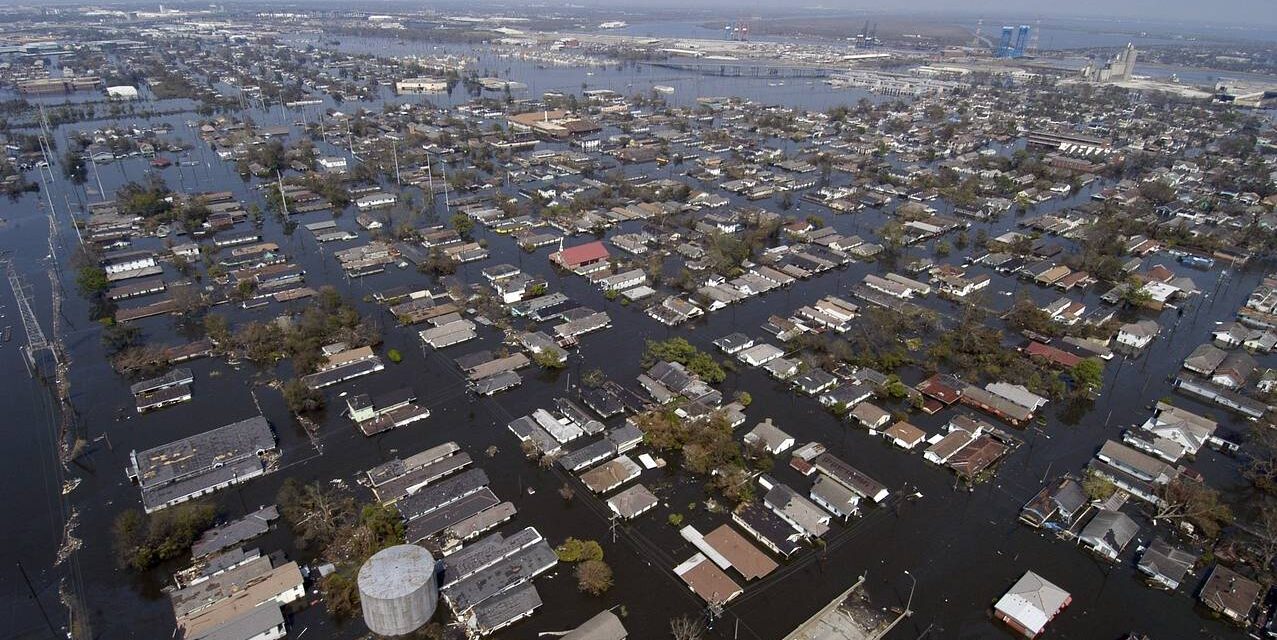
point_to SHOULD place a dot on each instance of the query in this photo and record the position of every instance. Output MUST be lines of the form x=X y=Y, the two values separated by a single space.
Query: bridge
x=748 y=68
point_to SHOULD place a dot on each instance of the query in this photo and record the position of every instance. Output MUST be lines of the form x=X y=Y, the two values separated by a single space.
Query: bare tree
x=1265 y=532
x=685 y=628
x=1185 y=500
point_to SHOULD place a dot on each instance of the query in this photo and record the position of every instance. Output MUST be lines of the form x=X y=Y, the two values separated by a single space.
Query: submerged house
x=1031 y=603
x=1108 y=533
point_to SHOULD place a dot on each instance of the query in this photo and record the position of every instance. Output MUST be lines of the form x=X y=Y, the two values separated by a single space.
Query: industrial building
x=409 y=86
x=398 y=590
x=1118 y=69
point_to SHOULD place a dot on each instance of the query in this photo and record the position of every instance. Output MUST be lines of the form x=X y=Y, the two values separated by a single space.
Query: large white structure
x=397 y=590
x=122 y=92
x=421 y=85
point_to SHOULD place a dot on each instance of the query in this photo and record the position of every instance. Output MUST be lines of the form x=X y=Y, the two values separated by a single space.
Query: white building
x=122 y=92
x=374 y=200
x=334 y=164
x=421 y=85
x=1137 y=335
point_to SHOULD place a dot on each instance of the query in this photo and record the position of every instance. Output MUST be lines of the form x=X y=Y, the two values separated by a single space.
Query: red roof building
x=582 y=255
x=1051 y=354
x=941 y=387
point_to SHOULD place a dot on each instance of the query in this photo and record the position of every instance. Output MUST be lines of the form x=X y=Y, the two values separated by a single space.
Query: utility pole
x=394 y=149
x=283 y=199
x=44 y=614
x=447 y=204
x=908 y=612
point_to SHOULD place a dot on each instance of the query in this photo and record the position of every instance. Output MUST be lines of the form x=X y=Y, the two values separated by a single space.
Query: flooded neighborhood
x=530 y=321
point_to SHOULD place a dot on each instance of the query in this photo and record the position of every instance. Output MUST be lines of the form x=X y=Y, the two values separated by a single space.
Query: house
x=374 y=200
x=995 y=405
x=972 y=460
x=742 y=556
x=1061 y=501
x=706 y=580
x=632 y=502
x=946 y=447
x=241 y=602
x=768 y=529
x=1268 y=381
x=834 y=497
x=1231 y=335
x=333 y=164
x=1229 y=594
x=734 y=343
x=1235 y=369
x=870 y=415
x=798 y=511
x=1108 y=533
x=815 y=381
x=1137 y=473
x=1261 y=342
x=604 y=626
x=624 y=280
x=1185 y=431
x=848 y=394
x=769 y=437
x=1165 y=565
x=1018 y=394
x=1205 y=359
x=760 y=354
x=904 y=435
x=1137 y=335
x=1030 y=604
x=850 y=477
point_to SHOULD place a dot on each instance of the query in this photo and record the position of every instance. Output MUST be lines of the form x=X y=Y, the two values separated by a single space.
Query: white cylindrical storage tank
x=397 y=590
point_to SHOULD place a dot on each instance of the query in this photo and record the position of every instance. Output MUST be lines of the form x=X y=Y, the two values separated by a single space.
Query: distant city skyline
x=1235 y=13
x=1222 y=13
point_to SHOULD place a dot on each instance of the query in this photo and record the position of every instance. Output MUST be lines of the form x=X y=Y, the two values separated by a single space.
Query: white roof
x=1032 y=602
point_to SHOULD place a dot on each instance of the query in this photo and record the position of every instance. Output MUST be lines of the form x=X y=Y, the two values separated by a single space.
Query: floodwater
x=964 y=548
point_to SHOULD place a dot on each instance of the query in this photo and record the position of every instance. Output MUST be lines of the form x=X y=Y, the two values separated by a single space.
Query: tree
x=1097 y=487
x=462 y=223
x=594 y=577
x=1265 y=532
x=593 y=379
x=314 y=511
x=118 y=337
x=547 y=359
x=91 y=280
x=1088 y=374
x=574 y=550
x=1261 y=469
x=143 y=541
x=1195 y=503
x=341 y=595
x=681 y=351
x=300 y=398
x=685 y=628
x=1158 y=192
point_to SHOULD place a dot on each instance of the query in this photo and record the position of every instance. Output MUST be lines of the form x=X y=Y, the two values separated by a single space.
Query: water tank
x=397 y=590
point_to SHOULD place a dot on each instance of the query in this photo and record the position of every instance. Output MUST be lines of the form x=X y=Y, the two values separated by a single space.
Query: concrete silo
x=397 y=589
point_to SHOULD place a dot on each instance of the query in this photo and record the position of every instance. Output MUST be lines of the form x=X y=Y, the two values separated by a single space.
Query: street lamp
x=907 y=613
x=913 y=582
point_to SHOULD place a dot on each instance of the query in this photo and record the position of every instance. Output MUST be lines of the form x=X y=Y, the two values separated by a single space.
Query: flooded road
x=965 y=548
